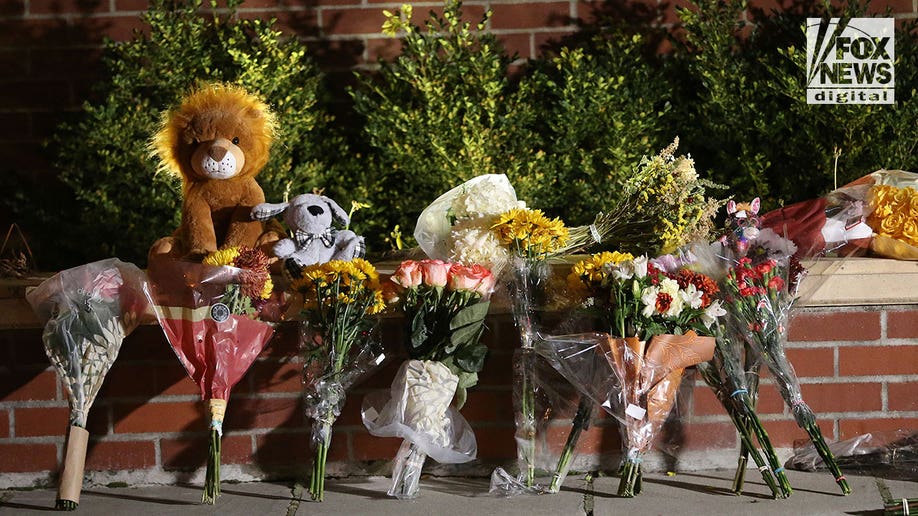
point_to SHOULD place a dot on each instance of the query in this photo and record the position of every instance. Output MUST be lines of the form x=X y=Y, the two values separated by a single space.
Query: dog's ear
x=265 y=210
x=337 y=212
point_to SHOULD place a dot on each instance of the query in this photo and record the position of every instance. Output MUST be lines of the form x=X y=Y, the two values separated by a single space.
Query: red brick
x=4 y=423
x=902 y=396
x=272 y=376
x=496 y=367
x=191 y=452
x=835 y=326
x=386 y=49
x=783 y=434
x=12 y=8
x=251 y=413
x=71 y=63
x=120 y=455
x=28 y=386
x=135 y=5
x=291 y=448
x=22 y=458
x=894 y=7
x=769 y=400
x=129 y=381
x=350 y=413
x=159 y=417
x=849 y=428
x=172 y=380
x=810 y=362
x=705 y=402
x=66 y=7
x=877 y=360
x=704 y=436
x=843 y=397
x=41 y=421
x=370 y=447
x=519 y=45
x=352 y=21
x=118 y=28
x=382 y=377
x=902 y=325
x=491 y=406
x=495 y=443
x=14 y=126
x=285 y=342
x=594 y=440
x=531 y=16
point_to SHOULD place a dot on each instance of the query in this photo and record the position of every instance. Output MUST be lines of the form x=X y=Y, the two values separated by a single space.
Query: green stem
x=765 y=443
x=66 y=505
x=580 y=422
x=317 y=482
x=629 y=478
x=752 y=368
x=212 y=476
x=827 y=456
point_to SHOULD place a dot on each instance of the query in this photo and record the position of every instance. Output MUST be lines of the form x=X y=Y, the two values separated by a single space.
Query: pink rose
x=435 y=272
x=476 y=278
x=408 y=274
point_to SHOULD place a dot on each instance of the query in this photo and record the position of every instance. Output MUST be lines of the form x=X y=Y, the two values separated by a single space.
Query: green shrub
x=439 y=114
x=122 y=204
x=601 y=109
x=743 y=98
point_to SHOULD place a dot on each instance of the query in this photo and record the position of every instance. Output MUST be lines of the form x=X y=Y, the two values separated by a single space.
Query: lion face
x=219 y=132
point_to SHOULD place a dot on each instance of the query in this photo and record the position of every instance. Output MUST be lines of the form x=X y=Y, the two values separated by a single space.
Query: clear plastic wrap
x=337 y=343
x=636 y=382
x=417 y=409
x=457 y=225
x=893 y=453
x=87 y=312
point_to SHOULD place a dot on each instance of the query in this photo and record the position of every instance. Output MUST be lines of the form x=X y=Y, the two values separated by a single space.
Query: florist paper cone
x=673 y=352
x=74 y=463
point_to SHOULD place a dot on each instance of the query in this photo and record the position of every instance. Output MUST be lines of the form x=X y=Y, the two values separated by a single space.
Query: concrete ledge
x=859 y=282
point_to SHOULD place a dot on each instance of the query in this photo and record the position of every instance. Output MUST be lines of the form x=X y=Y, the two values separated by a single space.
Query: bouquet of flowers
x=209 y=313
x=338 y=299
x=760 y=296
x=444 y=306
x=87 y=312
x=655 y=318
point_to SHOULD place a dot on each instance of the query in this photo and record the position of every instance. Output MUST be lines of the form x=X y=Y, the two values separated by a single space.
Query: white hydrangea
x=488 y=197
x=471 y=243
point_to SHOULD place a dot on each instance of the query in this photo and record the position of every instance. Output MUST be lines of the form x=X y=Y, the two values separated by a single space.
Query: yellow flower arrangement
x=255 y=285
x=222 y=257
x=895 y=212
x=588 y=274
x=530 y=233
x=341 y=282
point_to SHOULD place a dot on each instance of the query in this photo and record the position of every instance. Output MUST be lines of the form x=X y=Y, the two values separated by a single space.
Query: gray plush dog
x=314 y=240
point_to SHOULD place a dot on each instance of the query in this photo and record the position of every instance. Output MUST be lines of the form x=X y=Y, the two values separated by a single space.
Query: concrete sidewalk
x=705 y=492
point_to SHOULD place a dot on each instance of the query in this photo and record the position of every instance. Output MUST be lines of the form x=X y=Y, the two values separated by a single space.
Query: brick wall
x=858 y=367
x=49 y=49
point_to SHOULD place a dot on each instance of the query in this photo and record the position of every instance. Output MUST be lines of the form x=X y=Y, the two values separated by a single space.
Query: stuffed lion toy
x=216 y=140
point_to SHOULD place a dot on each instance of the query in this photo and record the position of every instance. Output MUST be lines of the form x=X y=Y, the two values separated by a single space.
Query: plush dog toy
x=217 y=140
x=314 y=240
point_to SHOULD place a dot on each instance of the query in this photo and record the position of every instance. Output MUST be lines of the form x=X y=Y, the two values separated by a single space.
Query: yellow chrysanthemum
x=222 y=257
x=268 y=289
x=530 y=231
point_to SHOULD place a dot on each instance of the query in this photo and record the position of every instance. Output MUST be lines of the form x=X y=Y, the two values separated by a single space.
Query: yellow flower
x=269 y=287
x=530 y=231
x=222 y=257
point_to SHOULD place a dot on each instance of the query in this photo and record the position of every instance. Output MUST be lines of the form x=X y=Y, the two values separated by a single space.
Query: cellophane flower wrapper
x=456 y=227
x=635 y=385
x=418 y=409
x=892 y=453
x=215 y=346
x=327 y=378
x=87 y=312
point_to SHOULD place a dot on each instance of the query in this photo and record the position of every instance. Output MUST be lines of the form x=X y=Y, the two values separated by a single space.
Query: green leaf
x=471 y=358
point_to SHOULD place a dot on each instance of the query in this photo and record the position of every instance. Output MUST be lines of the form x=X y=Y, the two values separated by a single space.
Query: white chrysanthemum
x=471 y=244
x=685 y=170
x=486 y=198
x=620 y=271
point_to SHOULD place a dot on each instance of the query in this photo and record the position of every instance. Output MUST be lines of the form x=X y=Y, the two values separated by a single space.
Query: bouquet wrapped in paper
x=87 y=312
x=209 y=313
x=660 y=318
x=444 y=306
x=339 y=298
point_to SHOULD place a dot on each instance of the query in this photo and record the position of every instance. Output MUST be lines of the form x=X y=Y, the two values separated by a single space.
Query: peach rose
x=408 y=274
x=475 y=278
x=434 y=272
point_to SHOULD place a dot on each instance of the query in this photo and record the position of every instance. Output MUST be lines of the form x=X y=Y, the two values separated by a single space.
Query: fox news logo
x=850 y=61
